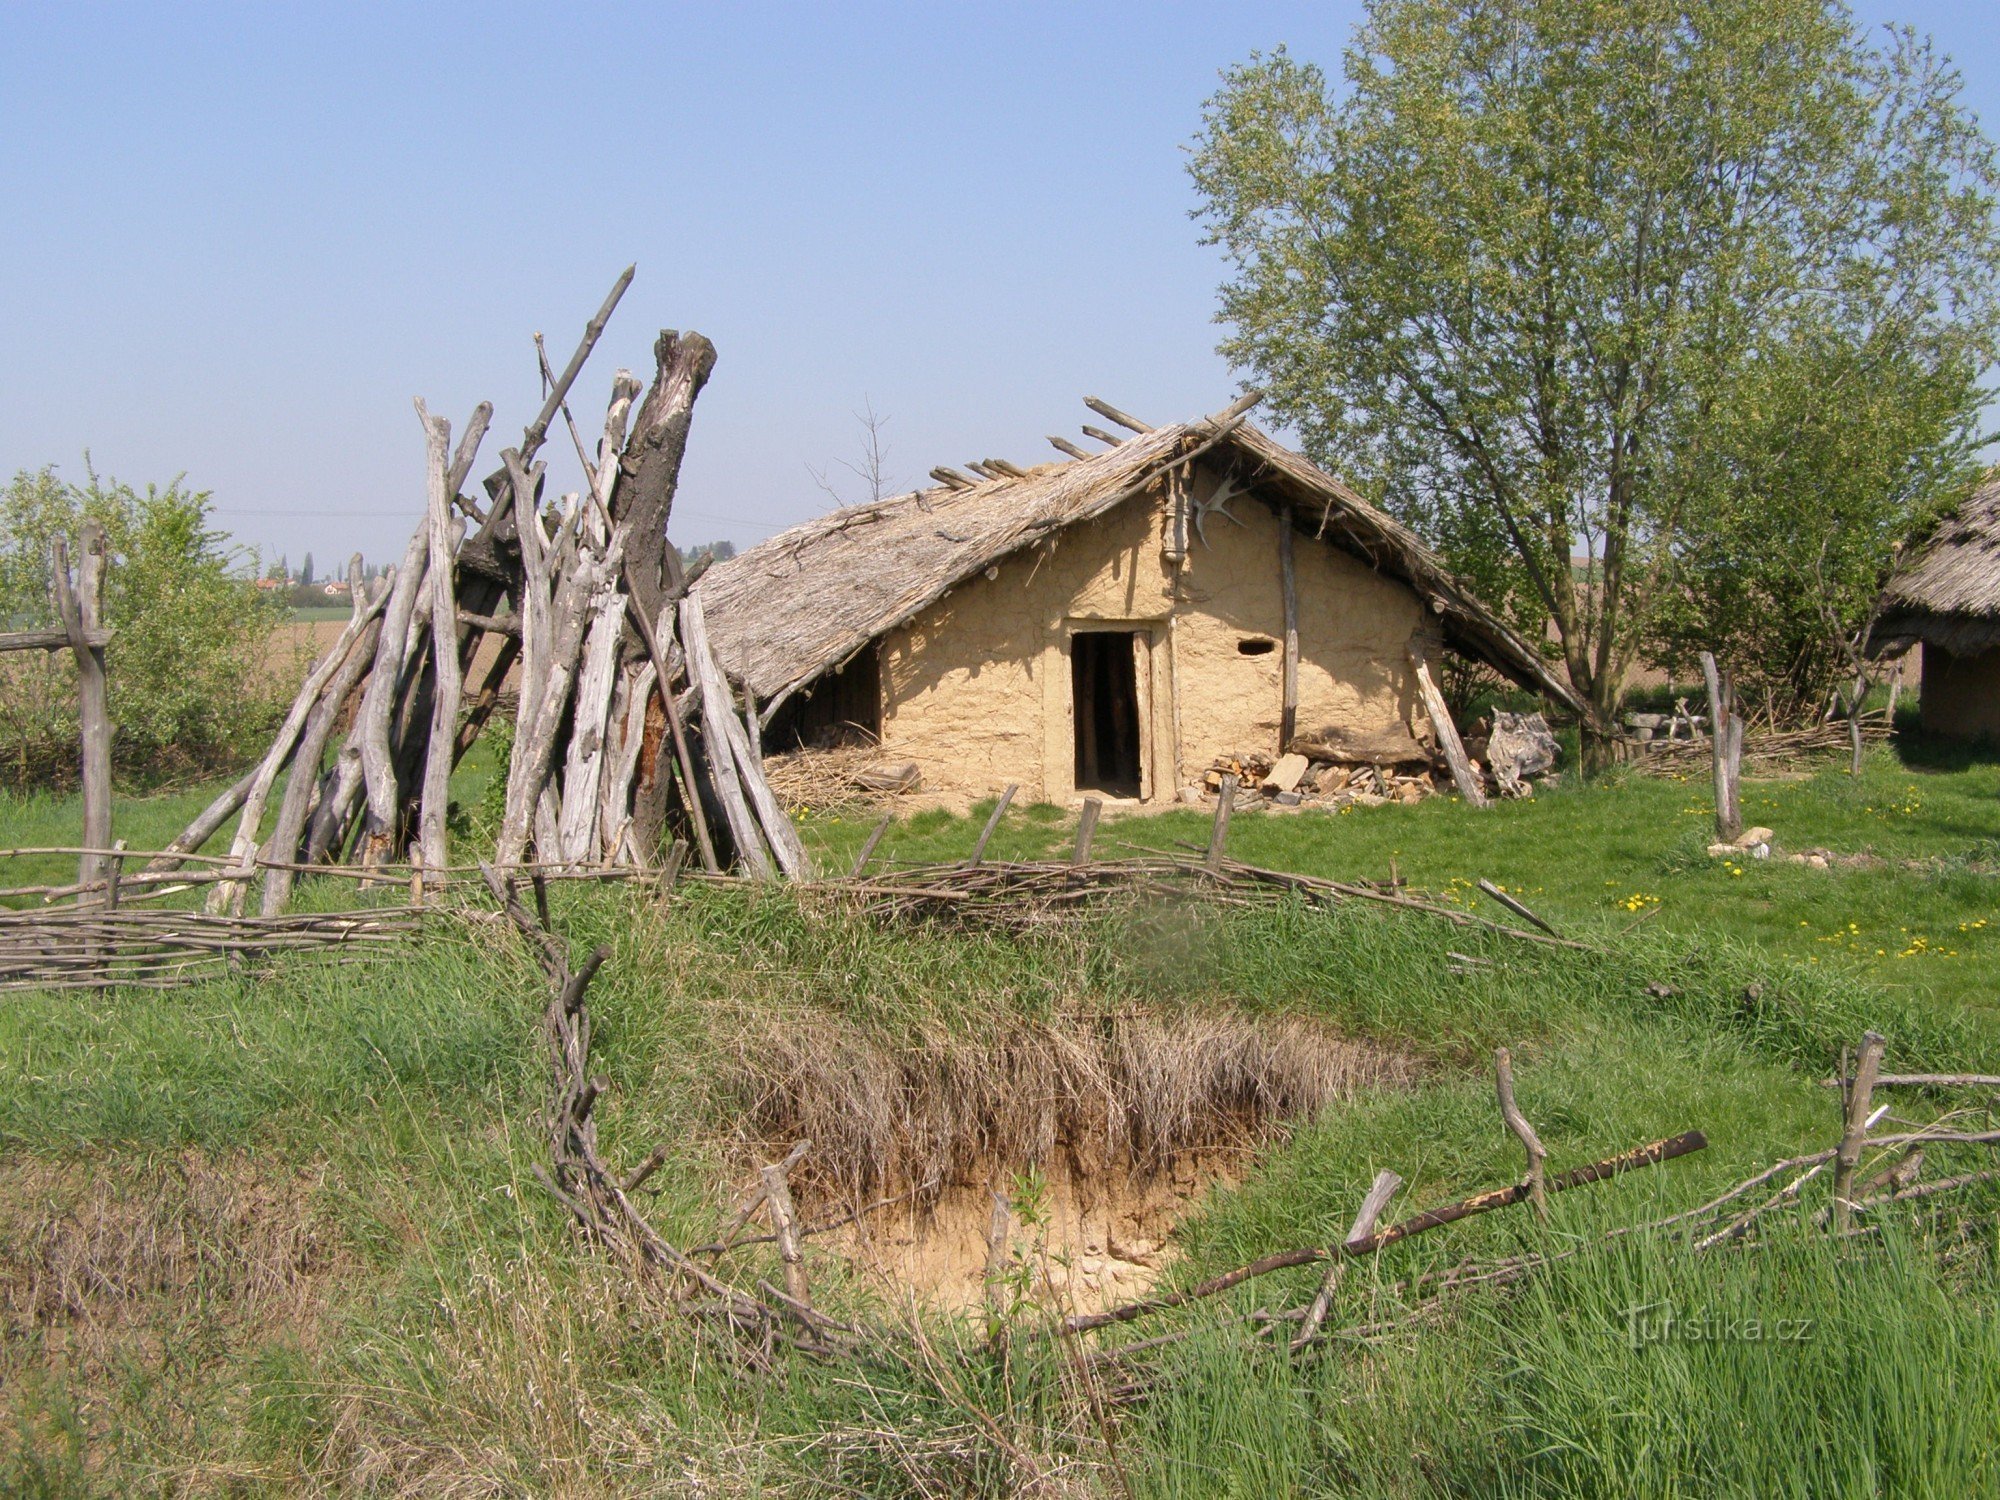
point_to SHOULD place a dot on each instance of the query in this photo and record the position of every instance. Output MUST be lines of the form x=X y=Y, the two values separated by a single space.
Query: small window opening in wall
x=1255 y=645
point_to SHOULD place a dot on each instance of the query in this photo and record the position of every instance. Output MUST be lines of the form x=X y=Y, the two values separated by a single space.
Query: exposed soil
x=1087 y=1239
x=1102 y=1132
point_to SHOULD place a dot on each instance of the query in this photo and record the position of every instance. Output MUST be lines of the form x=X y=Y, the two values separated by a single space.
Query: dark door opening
x=1104 y=687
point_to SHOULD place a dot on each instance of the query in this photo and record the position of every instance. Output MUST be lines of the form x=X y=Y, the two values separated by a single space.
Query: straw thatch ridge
x=802 y=603
x=1948 y=594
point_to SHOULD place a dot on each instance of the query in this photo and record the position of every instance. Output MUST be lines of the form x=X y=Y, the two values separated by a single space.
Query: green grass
x=1585 y=856
x=321 y=1262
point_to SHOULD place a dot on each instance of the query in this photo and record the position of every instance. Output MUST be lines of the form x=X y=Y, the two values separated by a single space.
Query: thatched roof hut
x=1947 y=597
x=1180 y=523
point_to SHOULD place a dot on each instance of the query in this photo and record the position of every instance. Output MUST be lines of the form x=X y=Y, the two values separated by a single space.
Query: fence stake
x=1854 y=1135
x=1218 y=831
x=1086 y=829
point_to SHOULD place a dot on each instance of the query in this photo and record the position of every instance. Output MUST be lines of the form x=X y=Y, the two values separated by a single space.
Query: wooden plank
x=1288 y=713
x=1447 y=734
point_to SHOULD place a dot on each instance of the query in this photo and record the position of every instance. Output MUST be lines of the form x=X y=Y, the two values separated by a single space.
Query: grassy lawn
x=278 y=1232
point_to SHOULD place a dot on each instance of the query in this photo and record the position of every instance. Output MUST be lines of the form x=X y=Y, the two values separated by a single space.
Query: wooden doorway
x=1104 y=697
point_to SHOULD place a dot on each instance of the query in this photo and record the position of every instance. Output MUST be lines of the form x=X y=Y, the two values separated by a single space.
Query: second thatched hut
x=1947 y=598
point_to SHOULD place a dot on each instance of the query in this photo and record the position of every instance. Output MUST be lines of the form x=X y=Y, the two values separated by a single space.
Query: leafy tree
x=306 y=572
x=186 y=668
x=1564 y=283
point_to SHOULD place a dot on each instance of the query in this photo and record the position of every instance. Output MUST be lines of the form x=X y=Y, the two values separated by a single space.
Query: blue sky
x=236 y=240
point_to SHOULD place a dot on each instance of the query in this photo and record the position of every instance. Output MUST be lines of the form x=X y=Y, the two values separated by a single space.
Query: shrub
x=186 y=686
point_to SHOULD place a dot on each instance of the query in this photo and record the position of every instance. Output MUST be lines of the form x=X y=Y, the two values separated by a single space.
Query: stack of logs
x=1300 y=780
x=626 y=732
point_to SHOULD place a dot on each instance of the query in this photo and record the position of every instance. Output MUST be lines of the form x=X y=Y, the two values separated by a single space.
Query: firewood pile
x=1337 y=769
x=1296 y=780
x=1766 y=752
x=626 y=734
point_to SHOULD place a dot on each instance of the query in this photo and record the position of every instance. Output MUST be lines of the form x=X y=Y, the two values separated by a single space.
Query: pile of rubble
x=1336 y=769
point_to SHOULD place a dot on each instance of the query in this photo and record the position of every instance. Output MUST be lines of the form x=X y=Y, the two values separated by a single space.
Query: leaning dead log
x=305 y=783
x=1436 y=1218
x=717 y=709
x=243 y=852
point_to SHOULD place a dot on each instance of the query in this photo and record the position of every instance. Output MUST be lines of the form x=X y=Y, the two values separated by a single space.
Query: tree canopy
x=1646 y=312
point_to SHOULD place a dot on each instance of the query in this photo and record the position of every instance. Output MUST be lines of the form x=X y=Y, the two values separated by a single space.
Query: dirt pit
x=1077 y=1241
x=1102 y=1133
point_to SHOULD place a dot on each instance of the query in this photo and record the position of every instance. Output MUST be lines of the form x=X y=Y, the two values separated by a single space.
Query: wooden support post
x=1725 y=738
x=868 y=849
x=1854 y=1133
x=986 y=833
x=1086 y=829
x=778 y=1194
x=1384 y=1188
x=1288 y=713
x=80 y=606
x=1218 y=831
x=1503 y=1077
x=1447 y=733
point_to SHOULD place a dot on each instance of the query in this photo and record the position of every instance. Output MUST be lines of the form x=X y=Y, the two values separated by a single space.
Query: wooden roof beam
x=1064 y=445
x=951 y=478
x=1101 y=435
x=1111 y=413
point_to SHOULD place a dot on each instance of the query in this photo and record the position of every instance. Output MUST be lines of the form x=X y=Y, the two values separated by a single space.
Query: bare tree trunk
x=444 y=537
x=649 y=474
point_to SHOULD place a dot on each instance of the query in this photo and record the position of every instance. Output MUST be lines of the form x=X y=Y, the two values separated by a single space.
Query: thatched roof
x=800 y=604
x=1949 y=593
